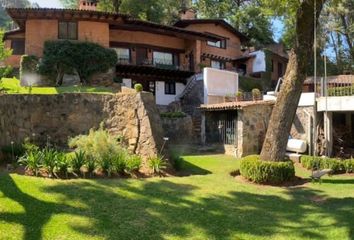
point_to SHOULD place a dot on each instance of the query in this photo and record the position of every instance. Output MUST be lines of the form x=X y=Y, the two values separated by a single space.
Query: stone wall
x=178 y=130
x=302 y=123
x=252 y=124
x=58 y=117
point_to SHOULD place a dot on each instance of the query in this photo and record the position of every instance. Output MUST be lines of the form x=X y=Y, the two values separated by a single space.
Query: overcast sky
x=48 y=3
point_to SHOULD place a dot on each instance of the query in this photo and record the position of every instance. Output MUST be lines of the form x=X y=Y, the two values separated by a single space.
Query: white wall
x=259 y=63
x=219 y=83
x=307 y=99
x=345 y=103
x=166 y=99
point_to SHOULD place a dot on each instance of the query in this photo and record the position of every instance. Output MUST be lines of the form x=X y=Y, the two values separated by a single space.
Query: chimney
x=187 y=14
x=88 y=5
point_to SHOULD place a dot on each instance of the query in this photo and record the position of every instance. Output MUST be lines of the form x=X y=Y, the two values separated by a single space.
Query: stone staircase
x=191 y=82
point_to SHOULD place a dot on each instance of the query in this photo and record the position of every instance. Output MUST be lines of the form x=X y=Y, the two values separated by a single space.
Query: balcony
x=157 y=68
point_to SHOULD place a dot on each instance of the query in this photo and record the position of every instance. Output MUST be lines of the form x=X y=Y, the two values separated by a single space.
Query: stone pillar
x=202 y=127
x=328 y=131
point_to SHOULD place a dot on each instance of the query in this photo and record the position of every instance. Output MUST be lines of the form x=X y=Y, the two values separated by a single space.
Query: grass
x=12 y=86
x=207 y=204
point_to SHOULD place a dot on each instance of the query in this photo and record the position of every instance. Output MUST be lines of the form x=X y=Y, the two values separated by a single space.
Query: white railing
x=335 y=86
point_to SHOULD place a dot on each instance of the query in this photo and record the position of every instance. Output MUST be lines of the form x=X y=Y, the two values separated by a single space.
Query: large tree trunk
x=274 y=146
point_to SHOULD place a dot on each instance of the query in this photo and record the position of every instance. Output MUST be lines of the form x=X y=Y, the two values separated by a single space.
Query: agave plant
x=63 y=165
x=107 y=165
x=133 y=163
x=157 y=164
x=32 y=161
x=78 y=161
x=119 y=161
x=91 y=165
x=49 y=160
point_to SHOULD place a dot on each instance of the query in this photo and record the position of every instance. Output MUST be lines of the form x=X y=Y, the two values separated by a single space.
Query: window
x=272 y=65
x=68 y=30
x=123 y=55
x=217 y=64
x=280 y=70
x=218 y=44
x=170 y=88
x=18 y=46
x=163 y=58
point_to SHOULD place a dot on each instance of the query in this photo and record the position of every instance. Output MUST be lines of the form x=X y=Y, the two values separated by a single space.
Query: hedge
x=319 y=163
x=255 y=170
x=173 y=115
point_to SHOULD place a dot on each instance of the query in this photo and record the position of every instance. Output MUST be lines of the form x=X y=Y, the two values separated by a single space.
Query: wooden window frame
x=77 y=30
x=13 y=49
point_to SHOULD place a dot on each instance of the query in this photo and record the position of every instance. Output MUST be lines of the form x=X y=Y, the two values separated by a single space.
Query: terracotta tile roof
x=234 y=105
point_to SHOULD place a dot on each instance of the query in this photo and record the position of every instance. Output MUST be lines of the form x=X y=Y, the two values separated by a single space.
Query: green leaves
x=84 y=57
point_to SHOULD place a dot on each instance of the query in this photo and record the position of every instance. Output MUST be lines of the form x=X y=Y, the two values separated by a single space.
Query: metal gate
x=221 y=127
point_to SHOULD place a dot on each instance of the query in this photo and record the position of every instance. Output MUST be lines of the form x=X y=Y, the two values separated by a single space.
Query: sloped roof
x=222 y=22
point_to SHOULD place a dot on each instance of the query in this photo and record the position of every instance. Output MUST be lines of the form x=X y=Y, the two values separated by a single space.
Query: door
x=141 y=56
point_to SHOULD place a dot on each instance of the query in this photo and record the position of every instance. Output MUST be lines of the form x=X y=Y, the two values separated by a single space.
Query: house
x=269 y=62
x=162 y=58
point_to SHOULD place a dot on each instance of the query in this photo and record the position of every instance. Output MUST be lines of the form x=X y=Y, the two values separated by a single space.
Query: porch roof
x=234 y=105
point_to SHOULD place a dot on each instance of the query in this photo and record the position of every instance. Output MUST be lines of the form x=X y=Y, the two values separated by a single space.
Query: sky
x=48 y=3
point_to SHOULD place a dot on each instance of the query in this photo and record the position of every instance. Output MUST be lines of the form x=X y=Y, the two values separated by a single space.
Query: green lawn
x=12 y=86
x=207 y=204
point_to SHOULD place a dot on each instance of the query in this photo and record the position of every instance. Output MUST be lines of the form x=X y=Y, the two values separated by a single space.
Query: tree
x=245 y=15
x=274 y=146
x=4 y=53
x=5 y=20
x=83 y=57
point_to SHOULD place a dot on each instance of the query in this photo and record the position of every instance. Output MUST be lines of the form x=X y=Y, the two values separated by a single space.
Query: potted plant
x=239 y=96
x=256 y=94
x=229 y=98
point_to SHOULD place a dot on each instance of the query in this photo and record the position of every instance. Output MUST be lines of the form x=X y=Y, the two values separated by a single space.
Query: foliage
x=13 y=151
x=6 y=72
x=248 y=83
x=106 y=164
x=78 y=161
x=173 y=115
x=349 y=165
x=247 y=16
x=97 y=144
x=256 y=92
x=133 y=163
x=176 y=160
x=85 y=58
x=4 y=52
x=138 y=87
x=157 y=164
x=239 y=94
x=319 y=163
x=63 y=164
x=33 y=159
x=12 y=86
x=341 y=91
x=253 y=169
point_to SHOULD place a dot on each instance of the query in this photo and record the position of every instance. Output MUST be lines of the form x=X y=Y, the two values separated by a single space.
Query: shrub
x=349 y=165
x=91 y=165
x=50 y=160
x=138 y=87
x=97 y=144
x=13 y=152
x=157 y=164
x=239 y=94
x=107 y=164
x=259 y=171
x=85 y=57
x=176 y=160
x=173 y=115
x=256 y=93
x=133 y=163
x=318 y=163
x=6 y=72
x=119 y=161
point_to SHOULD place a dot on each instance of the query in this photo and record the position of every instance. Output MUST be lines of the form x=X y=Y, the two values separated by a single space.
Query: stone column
x=328 y=131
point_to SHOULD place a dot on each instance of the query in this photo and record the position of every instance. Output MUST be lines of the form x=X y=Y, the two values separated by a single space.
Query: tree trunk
x=274 y=146
x=347 y=37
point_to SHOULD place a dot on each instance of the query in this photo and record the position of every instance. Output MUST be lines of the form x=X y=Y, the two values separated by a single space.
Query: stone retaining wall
x=59 y=117
x=178 y=130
